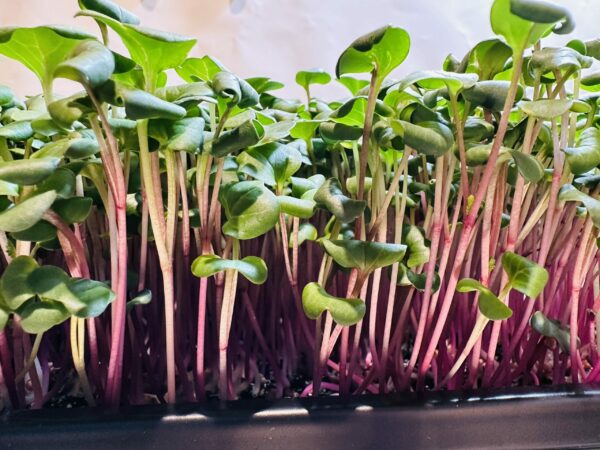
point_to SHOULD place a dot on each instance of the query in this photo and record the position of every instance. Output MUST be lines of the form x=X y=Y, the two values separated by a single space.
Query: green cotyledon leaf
x=489 y=305
x=363 y=255
x=586 y=154
x=385 y=48
x=344 y=311
x=568 y=192
x=252 y=268
x=524 y=275
x=251 y=209
x=331 y=197
x=27 y=213
x=89 y=63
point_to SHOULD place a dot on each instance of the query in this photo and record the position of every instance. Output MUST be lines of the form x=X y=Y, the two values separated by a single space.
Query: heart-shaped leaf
x=331 y=197
x=586 y=155
x=27 y=171
x=489 y=305
x=251 y=209
x=524 y=275
x=331 y=131
x=90 y=63
x=345 y=311
x=252 y=268
x=27 y=213
x=385 y=49
x=407 y=277
x=273 y=163
x=353 y=84
x=40 y=232
x=363 y=255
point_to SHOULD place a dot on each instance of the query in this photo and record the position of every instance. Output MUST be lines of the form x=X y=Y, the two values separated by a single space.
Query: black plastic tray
x=549 y=417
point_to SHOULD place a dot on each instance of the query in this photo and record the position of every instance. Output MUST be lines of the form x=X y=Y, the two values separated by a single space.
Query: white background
x=276 y=38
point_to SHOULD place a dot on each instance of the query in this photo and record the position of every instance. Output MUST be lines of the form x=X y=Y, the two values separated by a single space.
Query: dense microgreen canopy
x=240 y=236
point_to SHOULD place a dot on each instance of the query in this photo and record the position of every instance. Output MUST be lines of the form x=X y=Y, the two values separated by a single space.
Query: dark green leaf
x=331 y=197
x=244 y=136
x=251 y=209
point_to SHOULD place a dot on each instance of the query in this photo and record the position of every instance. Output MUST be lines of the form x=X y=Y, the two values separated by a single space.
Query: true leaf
x=252 y=268
x=345 y=311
